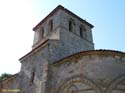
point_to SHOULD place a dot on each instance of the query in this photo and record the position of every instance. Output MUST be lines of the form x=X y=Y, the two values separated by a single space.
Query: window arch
x=82 y=31
x=42 y=32
x=50 y=25
x=71 y=24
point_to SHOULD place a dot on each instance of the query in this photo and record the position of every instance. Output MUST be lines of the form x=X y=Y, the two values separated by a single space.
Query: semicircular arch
x=78 y=84
x=117 y=85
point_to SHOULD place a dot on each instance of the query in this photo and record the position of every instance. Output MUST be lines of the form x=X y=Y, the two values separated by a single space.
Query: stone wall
x=69 y=42
x=66 y=17
x=89 y=72
x=47 y=33
x=10 y=85
x=35 y=63
x=62 y=41
x=50 y=68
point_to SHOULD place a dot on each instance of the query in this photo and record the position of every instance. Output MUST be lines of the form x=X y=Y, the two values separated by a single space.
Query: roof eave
x=64 y=9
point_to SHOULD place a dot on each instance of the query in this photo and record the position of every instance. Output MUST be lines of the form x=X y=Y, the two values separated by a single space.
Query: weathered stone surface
x=104 y=72
x=63 y=61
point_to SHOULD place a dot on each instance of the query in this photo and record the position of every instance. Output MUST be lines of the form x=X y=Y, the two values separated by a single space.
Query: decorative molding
x=78 y=79
x=115 y=83
x=104 y=53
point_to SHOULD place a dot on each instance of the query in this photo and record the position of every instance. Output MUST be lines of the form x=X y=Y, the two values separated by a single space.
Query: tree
x=4 y=76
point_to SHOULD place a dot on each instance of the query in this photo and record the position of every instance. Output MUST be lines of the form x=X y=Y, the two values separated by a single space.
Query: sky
x=18 y=17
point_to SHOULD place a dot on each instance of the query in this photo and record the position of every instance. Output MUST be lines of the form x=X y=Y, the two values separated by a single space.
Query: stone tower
x=63 y=60
x=58 y=35
x=66 y=33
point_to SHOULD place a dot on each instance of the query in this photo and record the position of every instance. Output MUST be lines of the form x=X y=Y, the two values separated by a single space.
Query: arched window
x=50 y=25
x=82 y=32
x=42 y=32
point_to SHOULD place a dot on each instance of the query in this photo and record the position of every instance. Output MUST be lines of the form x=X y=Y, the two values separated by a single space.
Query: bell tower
x=66 y=33
x=58 y=35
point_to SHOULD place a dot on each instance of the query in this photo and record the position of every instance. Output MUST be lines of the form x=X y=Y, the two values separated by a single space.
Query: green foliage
x=4 y=76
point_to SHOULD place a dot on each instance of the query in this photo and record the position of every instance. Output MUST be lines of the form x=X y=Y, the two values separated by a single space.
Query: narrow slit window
x=81 y=32
x=85 y=33
x=42 y=32
x=70 y=25
x=51 y=25
x=32 y=77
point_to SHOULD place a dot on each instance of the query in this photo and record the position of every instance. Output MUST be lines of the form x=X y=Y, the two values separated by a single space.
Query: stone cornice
x=90 y=53
x=35 y=49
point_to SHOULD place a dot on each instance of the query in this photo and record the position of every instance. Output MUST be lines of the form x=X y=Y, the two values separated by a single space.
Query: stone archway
x=72 y=89
x=117 y=86
x=78 y=84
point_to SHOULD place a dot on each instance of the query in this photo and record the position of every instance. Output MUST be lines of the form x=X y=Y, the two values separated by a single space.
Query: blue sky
x=18 y=17
x=107 y=16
